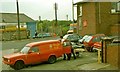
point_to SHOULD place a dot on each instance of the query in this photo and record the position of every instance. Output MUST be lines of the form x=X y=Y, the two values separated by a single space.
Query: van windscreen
x=25 y=50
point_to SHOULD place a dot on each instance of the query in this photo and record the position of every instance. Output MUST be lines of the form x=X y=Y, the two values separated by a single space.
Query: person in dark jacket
x=36 y=34
x=28 y=34
x=64 y=55
x=72 y=51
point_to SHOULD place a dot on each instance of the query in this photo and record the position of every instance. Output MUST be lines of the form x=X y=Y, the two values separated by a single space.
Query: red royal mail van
x=37 y=52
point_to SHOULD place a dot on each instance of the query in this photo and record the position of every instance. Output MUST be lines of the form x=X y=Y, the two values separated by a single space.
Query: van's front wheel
x=52 y=59
x=19 y=65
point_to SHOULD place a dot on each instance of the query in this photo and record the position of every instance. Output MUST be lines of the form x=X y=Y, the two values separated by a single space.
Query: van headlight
x=8 y=60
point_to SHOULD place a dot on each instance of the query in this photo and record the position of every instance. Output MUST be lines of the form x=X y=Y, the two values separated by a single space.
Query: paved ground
x=88 y=60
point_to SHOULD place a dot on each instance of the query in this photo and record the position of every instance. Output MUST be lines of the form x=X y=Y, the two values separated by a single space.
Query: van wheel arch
x=19 y=65
x=52 y=59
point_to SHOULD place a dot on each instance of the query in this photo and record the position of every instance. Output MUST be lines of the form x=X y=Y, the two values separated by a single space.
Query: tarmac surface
x=82 y=63
x=85 y=63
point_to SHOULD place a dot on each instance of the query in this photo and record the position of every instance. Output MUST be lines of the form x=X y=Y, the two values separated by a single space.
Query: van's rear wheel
x=18 y=65
x=52 y=59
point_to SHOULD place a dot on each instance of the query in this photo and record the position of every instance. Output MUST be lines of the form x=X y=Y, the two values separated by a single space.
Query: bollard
x=99 y=56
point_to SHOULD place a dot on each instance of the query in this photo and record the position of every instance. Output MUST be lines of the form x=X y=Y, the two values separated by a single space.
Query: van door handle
x=38 y=53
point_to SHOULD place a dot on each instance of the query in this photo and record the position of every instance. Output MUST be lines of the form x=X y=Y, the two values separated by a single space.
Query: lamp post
x=18 y=19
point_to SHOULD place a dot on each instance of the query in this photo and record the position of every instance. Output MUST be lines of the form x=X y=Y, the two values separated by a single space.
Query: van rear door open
x=66 y=47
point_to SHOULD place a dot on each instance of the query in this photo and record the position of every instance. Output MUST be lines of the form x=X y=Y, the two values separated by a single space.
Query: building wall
x=10 y=31
x=113 y=54
x=99 y=18
x=115 y=29
x=88 y=14
x=105 y=17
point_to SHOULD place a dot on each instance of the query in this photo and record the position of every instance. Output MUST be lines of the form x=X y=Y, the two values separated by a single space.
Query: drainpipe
x=99 y=13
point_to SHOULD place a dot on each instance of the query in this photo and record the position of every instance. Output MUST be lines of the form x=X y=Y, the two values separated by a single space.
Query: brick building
x=98 y=17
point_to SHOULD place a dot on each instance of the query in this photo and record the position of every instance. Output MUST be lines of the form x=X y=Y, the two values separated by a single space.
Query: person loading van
x=72 y=50
x=63 y=42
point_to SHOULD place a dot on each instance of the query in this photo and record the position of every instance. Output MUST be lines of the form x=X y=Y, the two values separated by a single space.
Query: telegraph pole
x=19 y=37
x=67 y=17
x=56 y=7
x=39 y=18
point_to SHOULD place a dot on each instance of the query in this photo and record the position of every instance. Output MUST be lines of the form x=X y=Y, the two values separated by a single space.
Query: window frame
x=118 y=6
x=36 y=47
x=114 y=8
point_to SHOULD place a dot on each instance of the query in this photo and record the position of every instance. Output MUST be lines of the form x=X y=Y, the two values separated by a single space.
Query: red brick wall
x=115 y=29
x=99 y=18
x=113 y=54
x=107 y=18
x=88 y=13
x=103 y=15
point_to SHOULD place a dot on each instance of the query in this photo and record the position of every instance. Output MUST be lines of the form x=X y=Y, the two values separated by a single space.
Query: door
x=31 y=26
x=34 y=55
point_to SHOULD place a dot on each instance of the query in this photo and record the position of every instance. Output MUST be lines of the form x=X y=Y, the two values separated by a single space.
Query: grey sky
x=43 y=8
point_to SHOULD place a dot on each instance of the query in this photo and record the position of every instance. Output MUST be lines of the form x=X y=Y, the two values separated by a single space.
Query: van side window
x=34 y=49
x=97 y=39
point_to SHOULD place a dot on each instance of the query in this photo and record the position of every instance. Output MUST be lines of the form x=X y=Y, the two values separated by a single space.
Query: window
x=75 y=37
x=88 y=39
x=96 y=39
x=2 y=27
x=72 y=27
x=80 y=11
x=34 y=49
x=118 y=6
x=115 y=7
x=25 y=50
